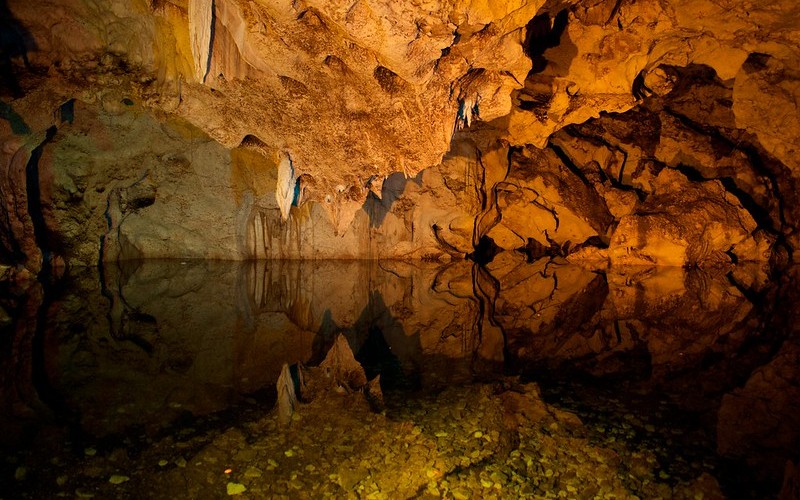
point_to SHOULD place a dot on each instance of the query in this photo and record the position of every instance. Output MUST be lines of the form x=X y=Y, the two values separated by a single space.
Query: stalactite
x=201 y=29
x=286 y=186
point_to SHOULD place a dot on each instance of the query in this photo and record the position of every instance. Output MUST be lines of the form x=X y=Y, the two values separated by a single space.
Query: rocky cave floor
x=491 y=440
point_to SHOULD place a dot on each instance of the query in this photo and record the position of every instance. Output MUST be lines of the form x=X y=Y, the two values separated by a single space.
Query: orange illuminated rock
x=311 y=113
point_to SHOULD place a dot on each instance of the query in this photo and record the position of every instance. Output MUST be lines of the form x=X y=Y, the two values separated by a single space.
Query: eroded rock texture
x=612 y=132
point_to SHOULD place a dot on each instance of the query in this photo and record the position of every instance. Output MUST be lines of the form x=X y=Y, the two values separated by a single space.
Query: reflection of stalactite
x=275 y=286
x=466 y=327
x=255 y=284
x=19 y=391
x=125 y=322
x=490 y=332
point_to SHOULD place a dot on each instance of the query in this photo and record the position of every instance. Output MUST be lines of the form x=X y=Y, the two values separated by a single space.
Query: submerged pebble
x=235 y=488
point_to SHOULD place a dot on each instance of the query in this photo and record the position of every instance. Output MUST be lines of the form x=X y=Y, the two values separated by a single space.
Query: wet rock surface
x=497 y=440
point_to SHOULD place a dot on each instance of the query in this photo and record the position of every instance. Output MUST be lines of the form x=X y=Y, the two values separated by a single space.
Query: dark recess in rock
x=389 y=81
x=485 y=251
x=377 y=358
x=542 y=33
x=45 y=240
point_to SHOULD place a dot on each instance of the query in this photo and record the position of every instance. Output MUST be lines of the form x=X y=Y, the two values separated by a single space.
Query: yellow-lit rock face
x=599 y=130
x=682 y=223
x=602 y=51
x=351 y=91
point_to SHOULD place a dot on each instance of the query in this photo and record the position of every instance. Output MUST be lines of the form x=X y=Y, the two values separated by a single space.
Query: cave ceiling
x=569 y=122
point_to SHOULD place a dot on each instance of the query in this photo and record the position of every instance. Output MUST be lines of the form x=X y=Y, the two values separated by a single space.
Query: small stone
x=252 y=472
x=289 y=453
x=61 y=480
x=498 y=477
x=461 y=494
x=90 y=452
x=117 y=479
x=478 y=434
x=162 y=463
x=180 y=462
x=486 y=483
x=83 y=493
x=235 y=488
x=20 y=473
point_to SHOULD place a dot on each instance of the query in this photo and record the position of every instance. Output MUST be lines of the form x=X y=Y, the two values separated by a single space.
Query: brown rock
x=684 y=223
x=542 y=199
x=341 y=367
x=759 y=422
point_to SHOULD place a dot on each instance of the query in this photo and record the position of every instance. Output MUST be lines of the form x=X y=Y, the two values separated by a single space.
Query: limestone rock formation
x=686 y=223
x=369 y=73
x=541 y=199
x=376 y=129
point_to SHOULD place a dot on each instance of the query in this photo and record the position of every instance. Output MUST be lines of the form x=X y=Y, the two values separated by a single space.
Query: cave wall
x=607 y=132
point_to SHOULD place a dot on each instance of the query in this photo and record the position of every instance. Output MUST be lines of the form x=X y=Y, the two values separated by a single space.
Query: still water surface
x=153 y=379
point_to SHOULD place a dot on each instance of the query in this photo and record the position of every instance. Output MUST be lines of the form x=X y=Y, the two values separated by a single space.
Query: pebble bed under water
x=494 y=440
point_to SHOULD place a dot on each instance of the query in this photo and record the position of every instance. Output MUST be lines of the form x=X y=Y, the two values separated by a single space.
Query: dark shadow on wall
x=15 y=43
x=42 y=234
x=18 y=125
x=542 y=33
x=392 y=190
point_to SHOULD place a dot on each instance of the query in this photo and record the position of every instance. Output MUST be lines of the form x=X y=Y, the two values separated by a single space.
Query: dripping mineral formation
x=609 y=132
